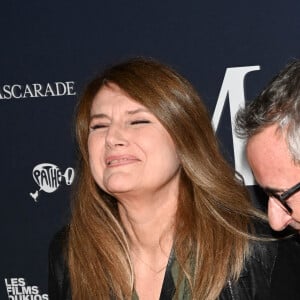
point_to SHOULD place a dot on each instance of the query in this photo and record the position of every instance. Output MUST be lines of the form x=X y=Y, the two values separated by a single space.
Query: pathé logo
x=49 y=177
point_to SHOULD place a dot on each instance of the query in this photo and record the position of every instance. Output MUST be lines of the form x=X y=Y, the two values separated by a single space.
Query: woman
x=158 y=212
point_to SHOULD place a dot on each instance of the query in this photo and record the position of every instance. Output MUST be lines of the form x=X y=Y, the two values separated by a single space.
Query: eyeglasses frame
x=283 y=197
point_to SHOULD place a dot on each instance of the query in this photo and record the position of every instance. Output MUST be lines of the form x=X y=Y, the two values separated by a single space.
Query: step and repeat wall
x=51 y=49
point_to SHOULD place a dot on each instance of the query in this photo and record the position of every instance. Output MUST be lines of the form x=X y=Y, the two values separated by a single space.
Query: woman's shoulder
x=58 y=251
x=58 y=244
x=58 y=275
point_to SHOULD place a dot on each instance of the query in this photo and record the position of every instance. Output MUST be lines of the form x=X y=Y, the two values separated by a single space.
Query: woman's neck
x=149 y=223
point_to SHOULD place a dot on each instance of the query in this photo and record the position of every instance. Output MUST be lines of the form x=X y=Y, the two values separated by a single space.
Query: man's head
x=271 y=124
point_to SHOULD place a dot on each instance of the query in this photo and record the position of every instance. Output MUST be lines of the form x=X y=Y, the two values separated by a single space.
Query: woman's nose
x=115 y=136
x=278 y=216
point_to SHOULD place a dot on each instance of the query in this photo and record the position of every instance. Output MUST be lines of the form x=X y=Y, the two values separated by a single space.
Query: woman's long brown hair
x=214 y=213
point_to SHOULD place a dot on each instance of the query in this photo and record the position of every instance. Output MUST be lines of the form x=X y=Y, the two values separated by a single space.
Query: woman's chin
x=118 y=189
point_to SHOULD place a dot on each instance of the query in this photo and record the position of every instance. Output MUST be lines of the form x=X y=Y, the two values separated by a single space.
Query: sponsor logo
x=17 y=289
x=37 y=90
x=49 y=177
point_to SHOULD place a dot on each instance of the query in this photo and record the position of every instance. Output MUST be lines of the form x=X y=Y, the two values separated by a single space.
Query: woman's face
x=130 y=152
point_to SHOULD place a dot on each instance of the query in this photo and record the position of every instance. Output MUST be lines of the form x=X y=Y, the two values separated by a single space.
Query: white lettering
x=28 y=92
x=34 y=290
x=49 y=90
x=70 y=87
x=6 y=91
x=233 y=86
x=18 y=290
x=36 y=90
x=62 y=91
x=13 y=91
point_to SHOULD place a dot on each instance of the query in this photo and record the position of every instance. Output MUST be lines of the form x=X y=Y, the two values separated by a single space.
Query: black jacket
x=271 y=272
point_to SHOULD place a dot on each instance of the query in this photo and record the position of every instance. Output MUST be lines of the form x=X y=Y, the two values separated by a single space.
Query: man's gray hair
x=279 y=103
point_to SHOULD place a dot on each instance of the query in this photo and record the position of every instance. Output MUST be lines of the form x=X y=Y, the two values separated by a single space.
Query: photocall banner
x=50 y=50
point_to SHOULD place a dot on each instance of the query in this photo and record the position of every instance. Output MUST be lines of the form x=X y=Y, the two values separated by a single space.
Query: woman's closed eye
x=98 y=126
x=101 y=126
x=136 y=122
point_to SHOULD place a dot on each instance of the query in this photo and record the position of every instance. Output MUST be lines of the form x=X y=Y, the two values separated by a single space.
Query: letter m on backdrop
x=233 y=87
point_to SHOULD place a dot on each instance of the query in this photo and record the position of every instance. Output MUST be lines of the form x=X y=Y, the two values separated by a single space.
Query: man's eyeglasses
x=282 y=198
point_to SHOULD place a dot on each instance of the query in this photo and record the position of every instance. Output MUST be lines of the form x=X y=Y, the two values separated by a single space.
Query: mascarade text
x=36 y=90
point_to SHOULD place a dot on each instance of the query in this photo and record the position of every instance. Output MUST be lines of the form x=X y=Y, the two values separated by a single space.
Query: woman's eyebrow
x=98 y=116
x=135 y=111
x=129 y=112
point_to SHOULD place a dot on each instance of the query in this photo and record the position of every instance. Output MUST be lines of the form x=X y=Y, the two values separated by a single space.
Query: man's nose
x=278 y=216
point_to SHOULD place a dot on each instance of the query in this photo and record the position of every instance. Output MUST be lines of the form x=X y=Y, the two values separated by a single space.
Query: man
x=271 y=124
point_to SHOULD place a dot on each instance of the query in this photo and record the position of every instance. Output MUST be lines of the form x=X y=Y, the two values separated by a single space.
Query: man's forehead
x=268 y=142
x=270 y=159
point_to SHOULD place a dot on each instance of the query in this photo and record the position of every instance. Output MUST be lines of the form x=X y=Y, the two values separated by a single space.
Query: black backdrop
x=50 y=49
